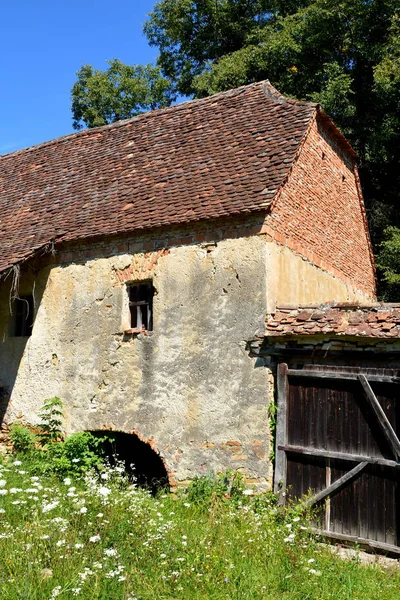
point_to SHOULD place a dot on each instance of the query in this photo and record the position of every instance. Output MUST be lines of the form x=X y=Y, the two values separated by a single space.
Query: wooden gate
x=337 y=441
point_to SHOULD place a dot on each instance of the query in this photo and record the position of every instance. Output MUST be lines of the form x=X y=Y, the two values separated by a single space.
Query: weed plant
x=96 y=536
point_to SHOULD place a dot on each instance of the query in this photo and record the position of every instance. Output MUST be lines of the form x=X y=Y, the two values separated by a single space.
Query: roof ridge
x=264 y=84
x=275 y=95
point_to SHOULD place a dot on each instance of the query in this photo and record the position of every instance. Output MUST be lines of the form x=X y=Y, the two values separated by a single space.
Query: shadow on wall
x=20 y=299
x=141 y=462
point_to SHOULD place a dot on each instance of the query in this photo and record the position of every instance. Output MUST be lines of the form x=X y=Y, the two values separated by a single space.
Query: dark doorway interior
x=141 y=461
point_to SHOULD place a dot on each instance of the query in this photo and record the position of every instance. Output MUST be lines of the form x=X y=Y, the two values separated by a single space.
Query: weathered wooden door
x=337 y=441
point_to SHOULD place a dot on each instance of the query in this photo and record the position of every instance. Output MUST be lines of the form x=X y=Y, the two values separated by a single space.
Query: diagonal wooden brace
x=337 y=485
x=383 y=421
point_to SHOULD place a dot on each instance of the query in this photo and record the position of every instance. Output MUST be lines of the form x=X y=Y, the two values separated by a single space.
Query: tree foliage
x=388 y=262
x=120 y=92
x=344 y=54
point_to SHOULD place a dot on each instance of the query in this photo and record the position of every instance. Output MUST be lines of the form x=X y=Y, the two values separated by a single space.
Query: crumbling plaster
x=188 y=387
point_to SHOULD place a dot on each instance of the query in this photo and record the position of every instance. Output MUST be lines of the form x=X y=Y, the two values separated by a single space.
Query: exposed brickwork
x=153 y=243
x=320 y=214
x=378 y=321
x=141 y=268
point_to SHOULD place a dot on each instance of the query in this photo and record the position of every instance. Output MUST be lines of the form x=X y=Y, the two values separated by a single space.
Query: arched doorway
x=142 y=463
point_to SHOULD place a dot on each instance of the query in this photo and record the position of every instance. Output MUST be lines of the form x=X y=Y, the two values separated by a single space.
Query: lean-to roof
x=340 y=319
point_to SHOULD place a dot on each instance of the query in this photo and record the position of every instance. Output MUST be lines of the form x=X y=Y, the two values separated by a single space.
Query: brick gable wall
x=319 y=213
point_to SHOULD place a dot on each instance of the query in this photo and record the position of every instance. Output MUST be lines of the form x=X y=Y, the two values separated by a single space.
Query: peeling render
x=189 y=387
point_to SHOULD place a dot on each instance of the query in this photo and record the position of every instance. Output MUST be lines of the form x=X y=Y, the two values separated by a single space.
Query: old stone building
x=138 y=259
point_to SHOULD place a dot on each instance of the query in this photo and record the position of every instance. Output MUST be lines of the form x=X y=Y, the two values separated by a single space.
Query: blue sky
x=43 y=44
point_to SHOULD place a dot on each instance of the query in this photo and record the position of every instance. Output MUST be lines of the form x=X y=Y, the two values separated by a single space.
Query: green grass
x=99 y=538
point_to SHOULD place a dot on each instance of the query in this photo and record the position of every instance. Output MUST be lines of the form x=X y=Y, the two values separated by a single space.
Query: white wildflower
x=50 y=506
x=17 y=463
x=94 y=538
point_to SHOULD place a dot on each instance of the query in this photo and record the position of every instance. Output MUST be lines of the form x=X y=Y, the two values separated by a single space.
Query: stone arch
x=142 y=461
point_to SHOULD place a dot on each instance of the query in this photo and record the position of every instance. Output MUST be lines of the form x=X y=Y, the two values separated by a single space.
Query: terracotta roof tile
x=219 y=156
x=344 y=319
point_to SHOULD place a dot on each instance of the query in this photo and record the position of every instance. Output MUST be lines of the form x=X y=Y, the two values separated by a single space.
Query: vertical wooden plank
x=328 y=482
x=281 y=433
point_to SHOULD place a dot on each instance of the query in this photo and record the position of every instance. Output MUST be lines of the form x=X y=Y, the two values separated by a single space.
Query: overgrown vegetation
x=72 y=526
x=97 y=537
x=49 y=451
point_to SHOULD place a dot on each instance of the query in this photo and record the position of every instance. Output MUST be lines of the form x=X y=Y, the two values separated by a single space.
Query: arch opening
x=142 y=464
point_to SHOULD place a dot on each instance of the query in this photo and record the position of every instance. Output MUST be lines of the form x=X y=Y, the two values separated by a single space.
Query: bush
x=51 y=415
x=215 y=486
x=23 y=440
x=79 y=453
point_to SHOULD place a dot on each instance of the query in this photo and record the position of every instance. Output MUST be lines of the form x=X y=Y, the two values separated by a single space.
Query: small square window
x=22 y=321
x=141 y=305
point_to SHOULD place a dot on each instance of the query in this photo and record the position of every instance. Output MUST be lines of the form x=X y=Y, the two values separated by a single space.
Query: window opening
x=141 y=305
x=23 y=316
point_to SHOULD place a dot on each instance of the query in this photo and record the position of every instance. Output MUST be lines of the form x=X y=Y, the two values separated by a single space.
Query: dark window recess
x=141 y=305
x=23 y=316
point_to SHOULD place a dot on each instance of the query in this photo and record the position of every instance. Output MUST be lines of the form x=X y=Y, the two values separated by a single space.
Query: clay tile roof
x=344 y=319
x=219 y=156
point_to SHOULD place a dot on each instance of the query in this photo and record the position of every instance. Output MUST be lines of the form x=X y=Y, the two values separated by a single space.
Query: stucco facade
x=189 y=387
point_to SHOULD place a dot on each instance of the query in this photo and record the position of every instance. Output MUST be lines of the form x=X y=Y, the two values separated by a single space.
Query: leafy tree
x=120 y=92
x=388 y=262
x=344 y=54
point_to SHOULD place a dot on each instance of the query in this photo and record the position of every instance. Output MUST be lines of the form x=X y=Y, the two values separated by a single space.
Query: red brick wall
x=319 y=214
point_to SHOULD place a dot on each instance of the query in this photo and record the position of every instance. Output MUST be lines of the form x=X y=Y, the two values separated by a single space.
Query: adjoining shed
x=338 y=419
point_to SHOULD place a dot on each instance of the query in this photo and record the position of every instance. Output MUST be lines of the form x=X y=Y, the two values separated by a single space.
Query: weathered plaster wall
x=189 y=387
x=320 y=213
x=294 y=279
